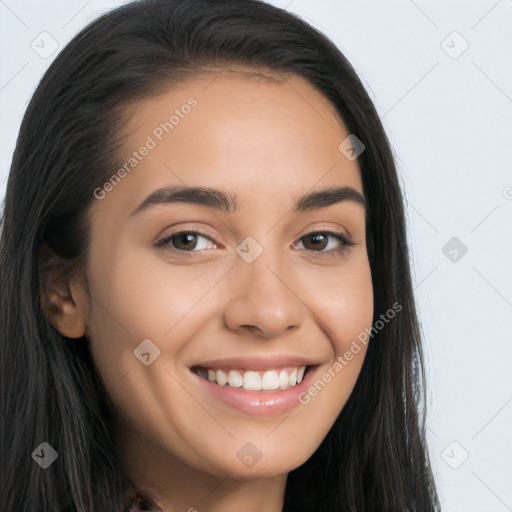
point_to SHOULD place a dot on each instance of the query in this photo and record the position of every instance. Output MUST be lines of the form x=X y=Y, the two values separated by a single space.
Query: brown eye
x=321 y=240
x=185 y=242
x=317 y=241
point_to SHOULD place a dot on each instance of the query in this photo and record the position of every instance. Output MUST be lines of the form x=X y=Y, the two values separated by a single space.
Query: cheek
x=137 y=298
x=343 y=301
x=343 y=305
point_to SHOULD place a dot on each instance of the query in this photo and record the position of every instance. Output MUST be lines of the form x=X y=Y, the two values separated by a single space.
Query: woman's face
x=252 y=290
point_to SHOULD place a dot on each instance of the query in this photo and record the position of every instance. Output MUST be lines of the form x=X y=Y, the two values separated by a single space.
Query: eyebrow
x=227 y=201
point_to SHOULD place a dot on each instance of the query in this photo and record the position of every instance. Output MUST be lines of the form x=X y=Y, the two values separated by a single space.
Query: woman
x=207 y=299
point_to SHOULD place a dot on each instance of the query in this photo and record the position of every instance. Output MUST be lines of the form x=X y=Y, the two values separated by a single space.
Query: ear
x=63 y=295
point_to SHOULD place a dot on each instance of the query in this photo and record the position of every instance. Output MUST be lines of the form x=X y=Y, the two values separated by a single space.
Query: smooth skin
x=268 y=142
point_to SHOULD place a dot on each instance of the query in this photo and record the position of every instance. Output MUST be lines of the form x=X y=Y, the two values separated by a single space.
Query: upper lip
x=257 y=362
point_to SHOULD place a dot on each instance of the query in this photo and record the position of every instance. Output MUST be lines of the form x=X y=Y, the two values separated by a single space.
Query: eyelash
x=345 y=243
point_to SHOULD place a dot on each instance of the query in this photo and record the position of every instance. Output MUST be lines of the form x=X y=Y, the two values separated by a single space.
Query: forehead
x=253 y=134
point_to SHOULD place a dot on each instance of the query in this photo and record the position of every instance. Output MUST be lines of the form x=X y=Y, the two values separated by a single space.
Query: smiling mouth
x=254 y=380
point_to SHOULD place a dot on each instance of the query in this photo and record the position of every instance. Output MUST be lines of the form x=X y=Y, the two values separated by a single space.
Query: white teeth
x=235 y=379
x=283 y=379
x=269 y=380
x=255 y=380
x=222 y=378
x=252 y=381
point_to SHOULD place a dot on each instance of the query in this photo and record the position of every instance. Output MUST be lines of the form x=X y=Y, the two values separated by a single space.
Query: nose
x=262 y=301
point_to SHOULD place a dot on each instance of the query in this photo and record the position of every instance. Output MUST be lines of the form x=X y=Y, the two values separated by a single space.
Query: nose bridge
x=261 y=298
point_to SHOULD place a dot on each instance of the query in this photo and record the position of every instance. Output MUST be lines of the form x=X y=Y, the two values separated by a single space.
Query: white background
x=450 y=123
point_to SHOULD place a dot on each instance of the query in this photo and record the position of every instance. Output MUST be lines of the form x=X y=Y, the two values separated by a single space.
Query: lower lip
x=260 y=403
